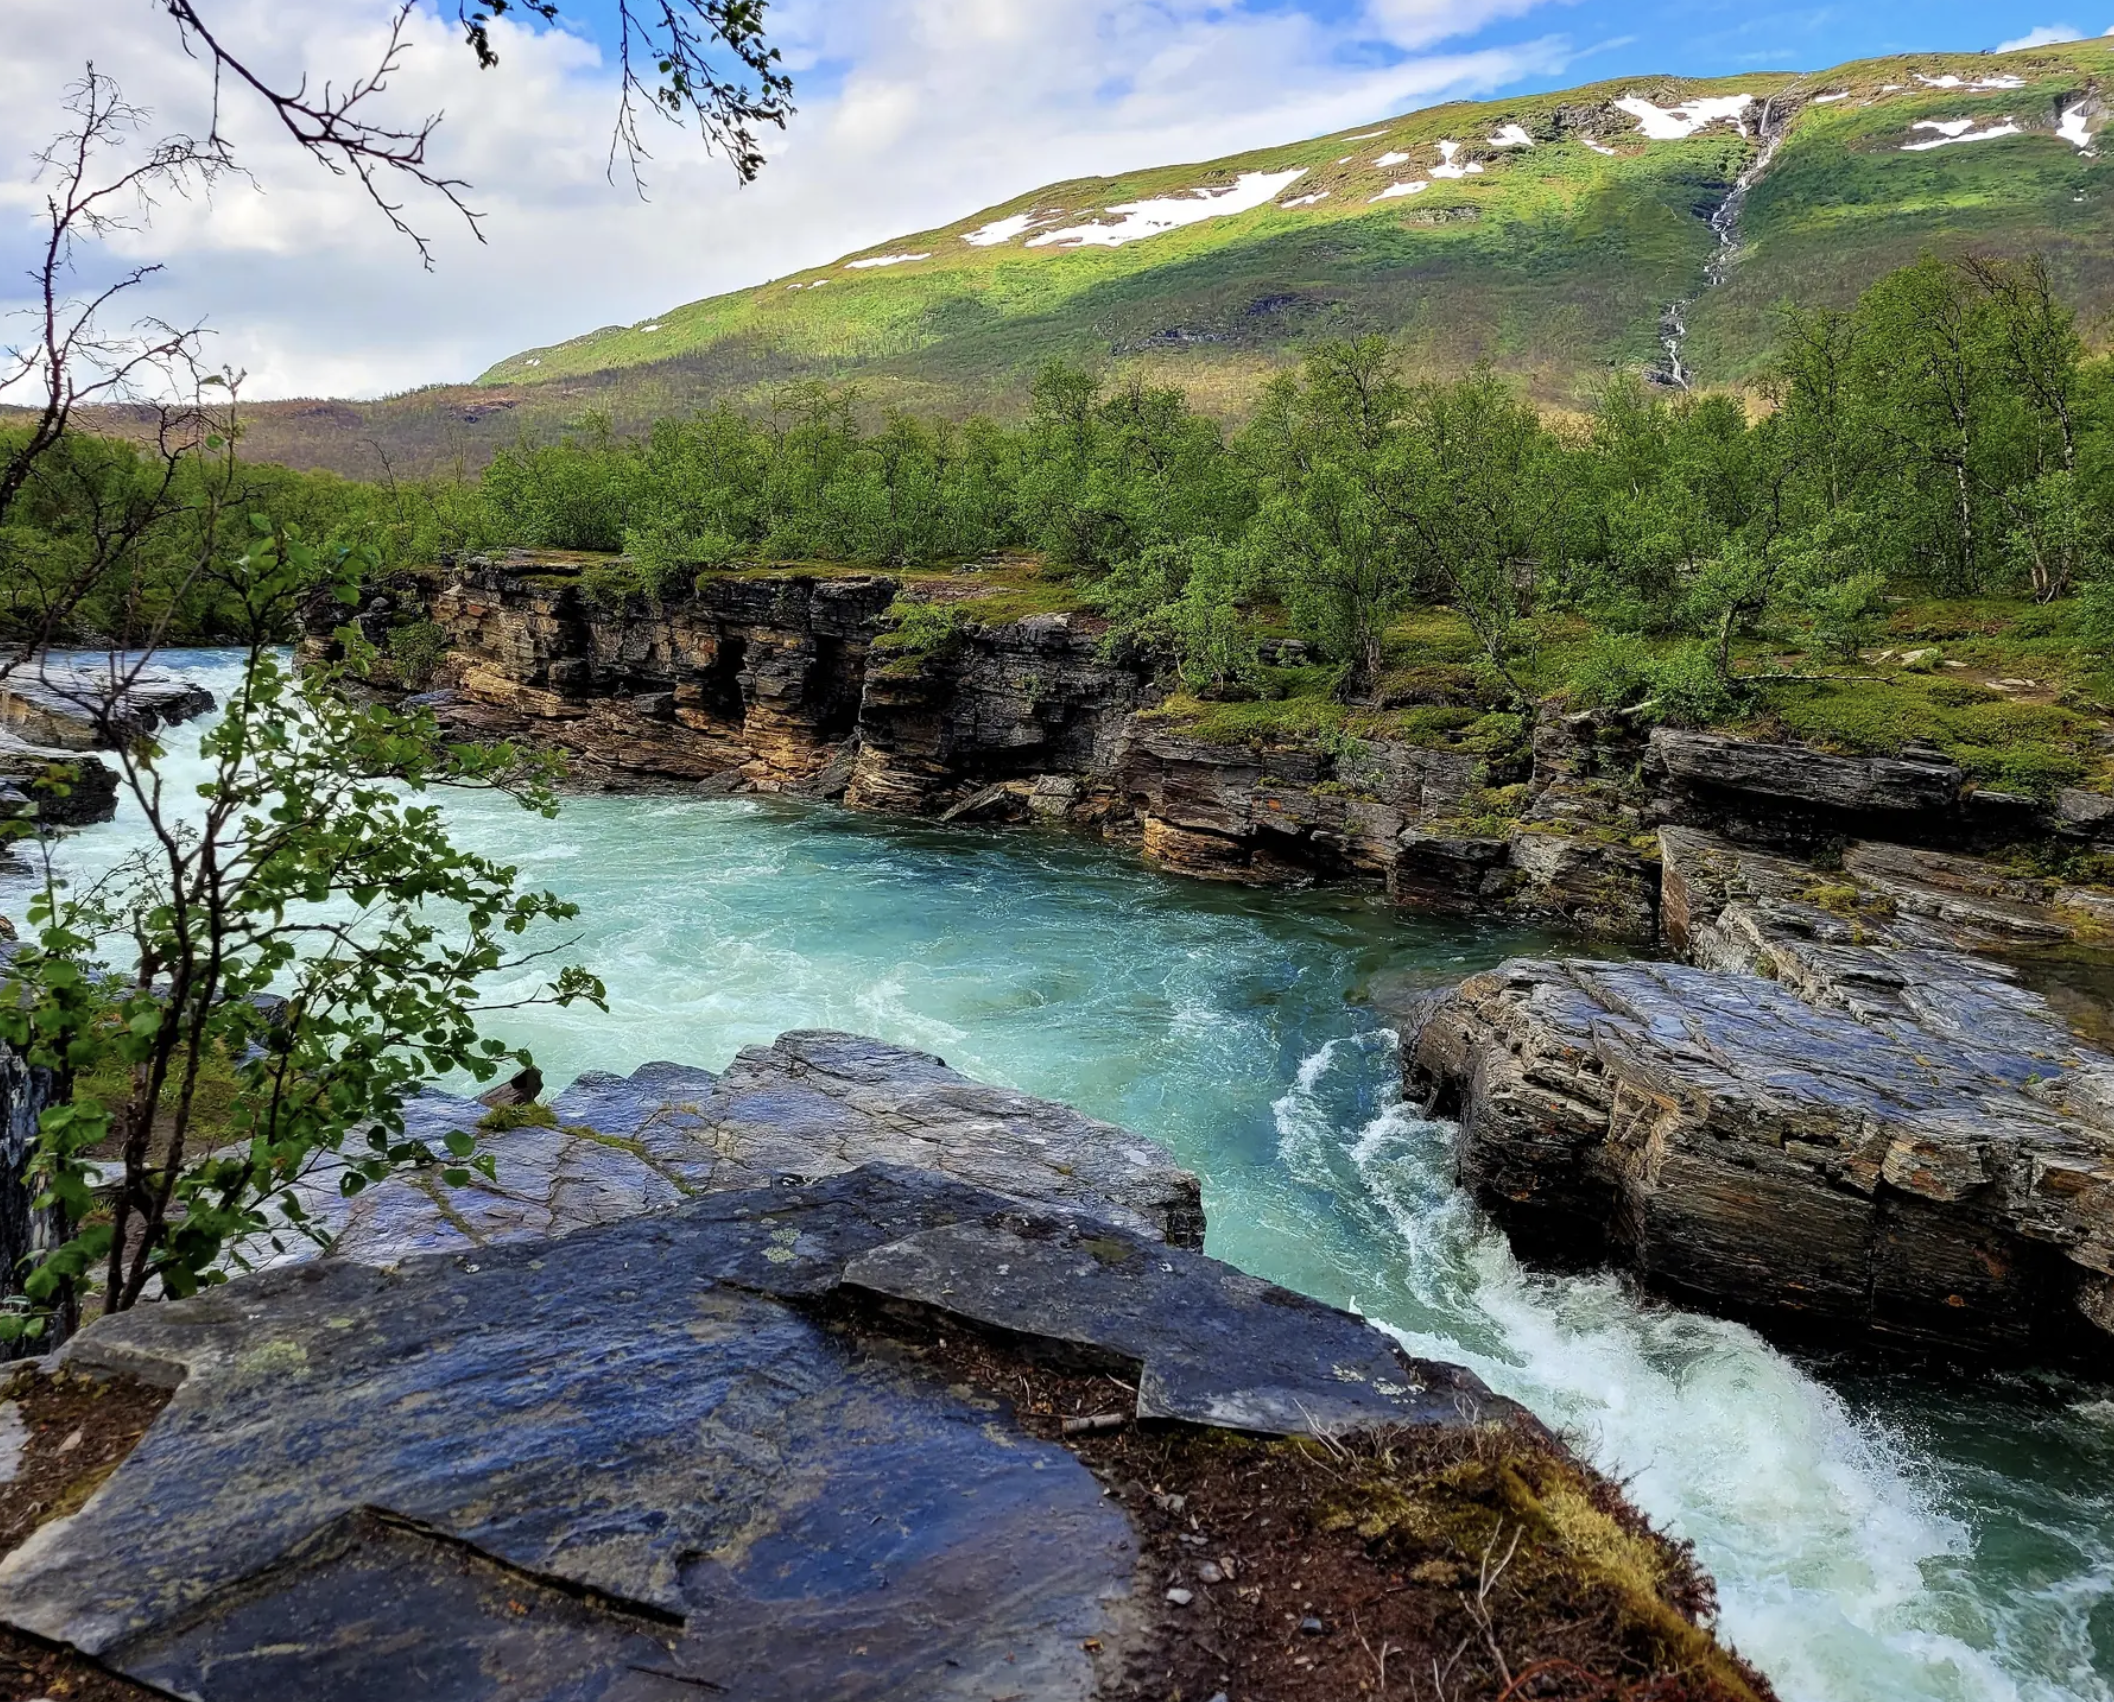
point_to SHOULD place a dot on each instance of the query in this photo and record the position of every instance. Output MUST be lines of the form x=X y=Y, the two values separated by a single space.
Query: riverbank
x=1874 y=1532
x=818 y=684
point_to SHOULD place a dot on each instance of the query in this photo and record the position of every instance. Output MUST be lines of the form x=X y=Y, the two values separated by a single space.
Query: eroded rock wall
x=1930 y=1174
x=793 y=681
x=753 y=682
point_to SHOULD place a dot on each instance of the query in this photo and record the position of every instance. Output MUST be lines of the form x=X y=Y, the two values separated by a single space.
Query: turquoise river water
x=1875 y=1534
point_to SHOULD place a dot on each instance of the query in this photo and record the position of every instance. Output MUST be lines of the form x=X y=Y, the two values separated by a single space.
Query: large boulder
x=1922 y=1160
x=811 y=1104
x=77 y=707
x=701 y=1452
x=58 y=788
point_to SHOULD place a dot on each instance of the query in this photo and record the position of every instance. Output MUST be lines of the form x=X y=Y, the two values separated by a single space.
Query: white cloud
x=948 y=105
x=2046 y=36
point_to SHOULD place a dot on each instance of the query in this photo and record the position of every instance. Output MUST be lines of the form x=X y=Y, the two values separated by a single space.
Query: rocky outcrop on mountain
x=810 y=1104
x=1931 y=1168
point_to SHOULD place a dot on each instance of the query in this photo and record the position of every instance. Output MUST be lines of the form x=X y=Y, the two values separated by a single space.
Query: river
x=1875 y=1534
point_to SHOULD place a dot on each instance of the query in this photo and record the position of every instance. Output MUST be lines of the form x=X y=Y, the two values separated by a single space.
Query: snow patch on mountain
x=1675 y=123
x=1136 y=220
x=1957 y=130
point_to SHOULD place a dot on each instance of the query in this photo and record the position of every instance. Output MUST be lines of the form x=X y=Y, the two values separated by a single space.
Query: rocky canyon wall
x=797 y=681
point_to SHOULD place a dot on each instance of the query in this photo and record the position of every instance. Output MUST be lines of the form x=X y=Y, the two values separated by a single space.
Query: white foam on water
x=1390 y=159
x=1448 y=169
x=1002 y=230
x=884 y=260
x=1395 y=189
x=1140 y=219
x=1512 y=136
x=1672 y=124
x=1306 y=200
x=1822 y=1527
x=1958 y=130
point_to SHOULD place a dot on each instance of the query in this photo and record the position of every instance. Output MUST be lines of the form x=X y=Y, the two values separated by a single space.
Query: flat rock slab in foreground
x=1908 y=1167
x=683 y=1455
x=811 y=1104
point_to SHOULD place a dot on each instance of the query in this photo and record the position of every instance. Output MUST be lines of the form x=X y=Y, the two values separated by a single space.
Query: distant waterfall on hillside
x=1725 y=221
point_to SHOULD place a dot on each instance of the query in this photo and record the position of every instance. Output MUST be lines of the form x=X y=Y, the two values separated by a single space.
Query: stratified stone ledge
x=811 y=1104
x=644 y=1447
x=1908 y=1166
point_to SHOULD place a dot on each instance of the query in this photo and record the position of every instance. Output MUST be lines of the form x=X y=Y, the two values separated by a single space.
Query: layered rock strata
x=811 y=1104
x=699 y=1447
x=78 y=708
x=52 y=717
x=1844 y=1116
x=1823 y=1171
x=795 y=681
x=784 y=682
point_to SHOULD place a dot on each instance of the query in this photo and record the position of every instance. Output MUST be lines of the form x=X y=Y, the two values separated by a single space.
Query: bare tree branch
x=701 y=62
x=333 y=126
x=72 y=358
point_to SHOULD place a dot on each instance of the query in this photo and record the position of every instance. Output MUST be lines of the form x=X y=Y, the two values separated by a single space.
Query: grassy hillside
x=1555 y=261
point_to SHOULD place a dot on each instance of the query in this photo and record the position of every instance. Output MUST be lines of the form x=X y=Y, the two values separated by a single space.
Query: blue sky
x=1696 y=38
x=912 y=113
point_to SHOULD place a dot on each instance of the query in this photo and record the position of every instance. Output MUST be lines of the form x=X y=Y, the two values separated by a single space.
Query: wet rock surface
x=52 y=718
x=811 y=1104
x=681 y=1452
x=80 y=708
x=1930 y=1167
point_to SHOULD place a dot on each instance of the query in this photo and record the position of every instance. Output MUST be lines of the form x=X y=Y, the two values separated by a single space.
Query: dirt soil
x=66 y=1434
x=1414 y=1566
x=32 y=1669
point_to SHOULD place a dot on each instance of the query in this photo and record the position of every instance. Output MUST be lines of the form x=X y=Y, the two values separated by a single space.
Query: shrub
x=1615 y=673
x=530 y=1114
x=921 y=630
x=416 y=653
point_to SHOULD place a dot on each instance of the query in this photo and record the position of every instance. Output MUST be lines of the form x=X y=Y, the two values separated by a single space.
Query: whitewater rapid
x=1874 y=1535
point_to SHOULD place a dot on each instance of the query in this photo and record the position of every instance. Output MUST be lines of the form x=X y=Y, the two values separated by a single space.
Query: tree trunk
x=24 y=1230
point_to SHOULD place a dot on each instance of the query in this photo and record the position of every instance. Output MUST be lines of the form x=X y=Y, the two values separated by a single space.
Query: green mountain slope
x=1553 y=260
